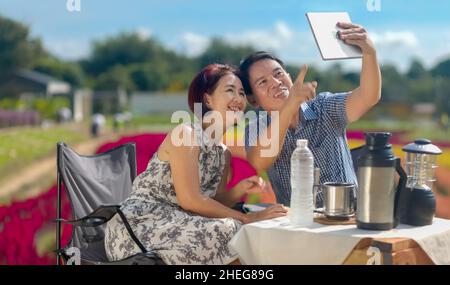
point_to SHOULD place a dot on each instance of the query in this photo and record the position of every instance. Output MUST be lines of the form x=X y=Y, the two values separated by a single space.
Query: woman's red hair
x=206 y=82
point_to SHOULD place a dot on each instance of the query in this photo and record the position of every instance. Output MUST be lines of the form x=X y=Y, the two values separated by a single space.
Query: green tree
x=441 y=76
x=49 y=108
x=442 y=94
x=221 y=52
x=17 y=49
x=422 y=89
x=147 y=78
x=416 y=70
x=442 y=69
x=124 y=49
x=144 y=64
x=420 y=83
x=313 y=73
x=66 y=71
x=395 y=85
x=117 y=77
x=334 y=79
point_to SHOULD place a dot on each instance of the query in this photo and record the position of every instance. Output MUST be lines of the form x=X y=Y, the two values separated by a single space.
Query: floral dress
x=163 y=227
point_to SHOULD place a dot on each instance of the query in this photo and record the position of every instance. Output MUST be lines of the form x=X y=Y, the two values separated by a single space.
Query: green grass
x=45 y=241
x=22 y=146
x=153 y=123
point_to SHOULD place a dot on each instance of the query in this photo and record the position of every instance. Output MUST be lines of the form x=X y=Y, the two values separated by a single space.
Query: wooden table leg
x=387 y=251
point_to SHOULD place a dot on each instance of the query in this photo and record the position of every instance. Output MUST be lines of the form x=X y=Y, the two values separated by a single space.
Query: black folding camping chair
x=96 y=185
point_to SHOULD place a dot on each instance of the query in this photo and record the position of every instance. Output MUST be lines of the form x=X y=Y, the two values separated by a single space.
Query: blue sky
x=401 y=29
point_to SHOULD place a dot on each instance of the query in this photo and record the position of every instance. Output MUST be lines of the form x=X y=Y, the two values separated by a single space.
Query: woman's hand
x=356 y=35
x=251 y=185
x=271 y=212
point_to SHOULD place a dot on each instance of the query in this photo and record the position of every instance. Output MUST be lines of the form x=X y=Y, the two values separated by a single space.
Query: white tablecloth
x=276 y=241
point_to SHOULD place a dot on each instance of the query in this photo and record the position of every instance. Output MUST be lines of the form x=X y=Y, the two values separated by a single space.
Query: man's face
x=270 y=84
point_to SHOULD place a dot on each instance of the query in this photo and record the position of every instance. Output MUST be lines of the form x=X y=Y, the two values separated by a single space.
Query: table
x=387 y=251
x=278 y=242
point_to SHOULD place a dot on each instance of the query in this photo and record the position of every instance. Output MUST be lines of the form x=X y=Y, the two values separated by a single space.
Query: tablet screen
x=323 y=26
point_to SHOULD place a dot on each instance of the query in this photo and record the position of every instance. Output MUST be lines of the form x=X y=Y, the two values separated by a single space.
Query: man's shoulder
x=326 y=99
x=328 y=94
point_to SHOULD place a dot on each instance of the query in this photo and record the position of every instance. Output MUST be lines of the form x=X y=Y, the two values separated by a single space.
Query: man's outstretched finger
x=302 y=74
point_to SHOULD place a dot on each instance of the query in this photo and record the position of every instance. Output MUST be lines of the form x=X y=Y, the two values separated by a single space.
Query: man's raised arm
x=262 y=155
x=369 y=91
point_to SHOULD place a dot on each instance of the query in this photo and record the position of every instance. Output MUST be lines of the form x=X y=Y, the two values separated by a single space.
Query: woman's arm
x=223 y=195
x=184 y=166
x=249 y=185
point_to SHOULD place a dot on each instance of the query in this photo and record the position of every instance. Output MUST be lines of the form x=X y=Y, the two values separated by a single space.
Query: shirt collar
x=308 y=112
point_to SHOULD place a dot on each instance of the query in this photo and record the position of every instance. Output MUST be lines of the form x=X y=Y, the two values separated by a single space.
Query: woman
x=179 y=207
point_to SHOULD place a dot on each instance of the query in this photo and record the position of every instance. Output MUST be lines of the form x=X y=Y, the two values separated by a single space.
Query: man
x=320 y=119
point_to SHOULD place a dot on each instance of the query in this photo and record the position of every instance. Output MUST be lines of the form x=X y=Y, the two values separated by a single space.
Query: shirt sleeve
x=334 y=108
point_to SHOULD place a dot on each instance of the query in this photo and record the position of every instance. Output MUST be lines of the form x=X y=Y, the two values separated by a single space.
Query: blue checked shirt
x=323 y=121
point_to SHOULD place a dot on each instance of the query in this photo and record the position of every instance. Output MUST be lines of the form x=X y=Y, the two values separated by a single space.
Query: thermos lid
x=377 y=152
x=377 y=138
x=422 y=146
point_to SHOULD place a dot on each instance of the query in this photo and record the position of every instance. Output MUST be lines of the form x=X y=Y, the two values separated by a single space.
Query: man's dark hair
x=247 y=62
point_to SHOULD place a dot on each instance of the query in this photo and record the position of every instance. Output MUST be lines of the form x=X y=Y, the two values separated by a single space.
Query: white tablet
x=323 y=26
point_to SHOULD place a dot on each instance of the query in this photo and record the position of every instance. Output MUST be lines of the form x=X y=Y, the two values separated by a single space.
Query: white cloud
x=399 y=47
x=193 y=44
x=68 y=49
x=283 y=31
x=143 y=33
x=259 y=39
x=397 y=39
x=273 y=39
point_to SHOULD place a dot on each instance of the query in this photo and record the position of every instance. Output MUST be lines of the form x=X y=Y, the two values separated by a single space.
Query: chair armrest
x=99 y=216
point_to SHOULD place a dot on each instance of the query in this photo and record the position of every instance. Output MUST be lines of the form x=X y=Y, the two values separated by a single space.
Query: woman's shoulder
x=185 y=128
x=183 y=136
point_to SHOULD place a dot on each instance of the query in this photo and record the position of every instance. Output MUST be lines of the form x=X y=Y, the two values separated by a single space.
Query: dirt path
x=40 y=175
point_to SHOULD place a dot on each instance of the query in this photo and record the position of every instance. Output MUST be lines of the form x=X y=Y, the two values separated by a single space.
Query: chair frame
x=101 y=215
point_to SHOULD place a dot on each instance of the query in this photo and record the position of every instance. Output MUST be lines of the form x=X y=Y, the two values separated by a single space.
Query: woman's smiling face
x=228 y=99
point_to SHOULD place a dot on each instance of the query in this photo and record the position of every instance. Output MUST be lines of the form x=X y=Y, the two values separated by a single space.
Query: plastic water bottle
x=302 y=181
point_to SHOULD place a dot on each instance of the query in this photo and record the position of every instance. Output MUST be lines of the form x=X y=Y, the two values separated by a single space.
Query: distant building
x=23 y=82
x=158 y=102
x=109 y=101
x=31 y=84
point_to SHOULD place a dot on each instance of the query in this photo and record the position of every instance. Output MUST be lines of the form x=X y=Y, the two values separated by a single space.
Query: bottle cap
x=302 y=143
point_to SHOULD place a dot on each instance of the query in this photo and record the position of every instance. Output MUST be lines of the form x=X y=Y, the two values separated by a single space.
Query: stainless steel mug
x=339 y=199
